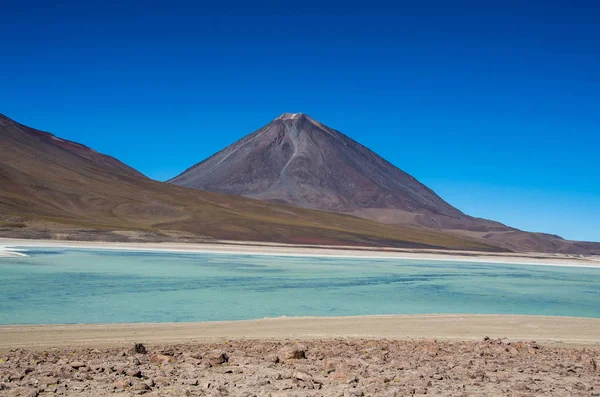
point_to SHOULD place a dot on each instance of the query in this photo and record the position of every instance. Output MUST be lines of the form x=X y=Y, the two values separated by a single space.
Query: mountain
x=54 y=188
x=297 y=160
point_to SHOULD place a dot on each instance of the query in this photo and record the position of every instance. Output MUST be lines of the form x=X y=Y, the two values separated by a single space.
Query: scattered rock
x=355 y=392
x=32 y=393
x=273 y=358
x=333 y=368
x=393 y=392
x=49 y=380
x=135 y=373
x=342 y=376
x=217 y=357
x=77 y=364
x=303 y=376
x=122 y=384
x=331 y=364
x=161 y=359
x=161 y=381
x=140 y=386
x=297 y=352
x=139 y=348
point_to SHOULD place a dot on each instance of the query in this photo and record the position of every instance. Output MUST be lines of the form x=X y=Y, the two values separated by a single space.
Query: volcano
x=298 y=160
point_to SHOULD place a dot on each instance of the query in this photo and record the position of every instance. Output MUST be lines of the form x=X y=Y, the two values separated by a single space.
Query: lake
x=54 y=285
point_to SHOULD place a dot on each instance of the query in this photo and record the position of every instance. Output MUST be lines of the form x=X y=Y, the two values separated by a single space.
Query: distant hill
x=297 y=160
x=54 y=188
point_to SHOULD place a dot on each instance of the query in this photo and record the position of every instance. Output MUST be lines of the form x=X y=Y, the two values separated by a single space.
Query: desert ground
x=353 y=356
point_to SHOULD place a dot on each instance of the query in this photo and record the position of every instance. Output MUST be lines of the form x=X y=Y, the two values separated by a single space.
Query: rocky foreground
x=314 y=368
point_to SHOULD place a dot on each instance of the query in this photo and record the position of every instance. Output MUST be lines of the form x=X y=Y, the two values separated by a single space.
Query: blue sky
x=495 y=107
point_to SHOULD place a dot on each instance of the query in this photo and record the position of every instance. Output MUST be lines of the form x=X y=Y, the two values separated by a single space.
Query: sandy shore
x=236 y=247
x=458 y=327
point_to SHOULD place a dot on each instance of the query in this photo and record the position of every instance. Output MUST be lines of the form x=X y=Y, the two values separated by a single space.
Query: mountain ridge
x=53 y=188
x=299 y=161
x=57 y=189
x=70 y=146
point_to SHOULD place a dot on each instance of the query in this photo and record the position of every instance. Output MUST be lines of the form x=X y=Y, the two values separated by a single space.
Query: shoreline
x=10 y=252
x=271 y=249
x=544 y=329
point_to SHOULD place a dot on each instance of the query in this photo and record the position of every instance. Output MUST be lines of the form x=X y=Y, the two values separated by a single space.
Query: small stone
x=49 y=380
x=342 y=376
x=356 y=392
x=217 y=357
x=331 y=364
x=136 y=373
x=303 y=376
x=393 y=392
x=139 y=348
x=32 y=393
x=122 y=384
x=273 y=358
x=297 y=352
x=161 y=380
x=161 y=359
x=77 y=364
x=141 y=386
x=355 y=363
x=520 y=386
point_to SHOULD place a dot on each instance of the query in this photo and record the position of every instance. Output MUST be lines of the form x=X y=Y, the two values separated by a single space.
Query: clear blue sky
x=495 y=107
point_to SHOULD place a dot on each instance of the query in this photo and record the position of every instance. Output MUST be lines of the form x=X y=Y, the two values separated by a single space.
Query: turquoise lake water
x=104 y=286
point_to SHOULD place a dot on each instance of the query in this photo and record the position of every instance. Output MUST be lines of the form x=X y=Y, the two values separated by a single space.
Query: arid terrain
x=57 y=189
x=52 y=188
x=440 y=355
x=297 y=160
x=331 y=367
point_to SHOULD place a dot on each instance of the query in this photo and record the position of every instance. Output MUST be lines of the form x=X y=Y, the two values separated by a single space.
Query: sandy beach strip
x=444 y=327
x=271 y=249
